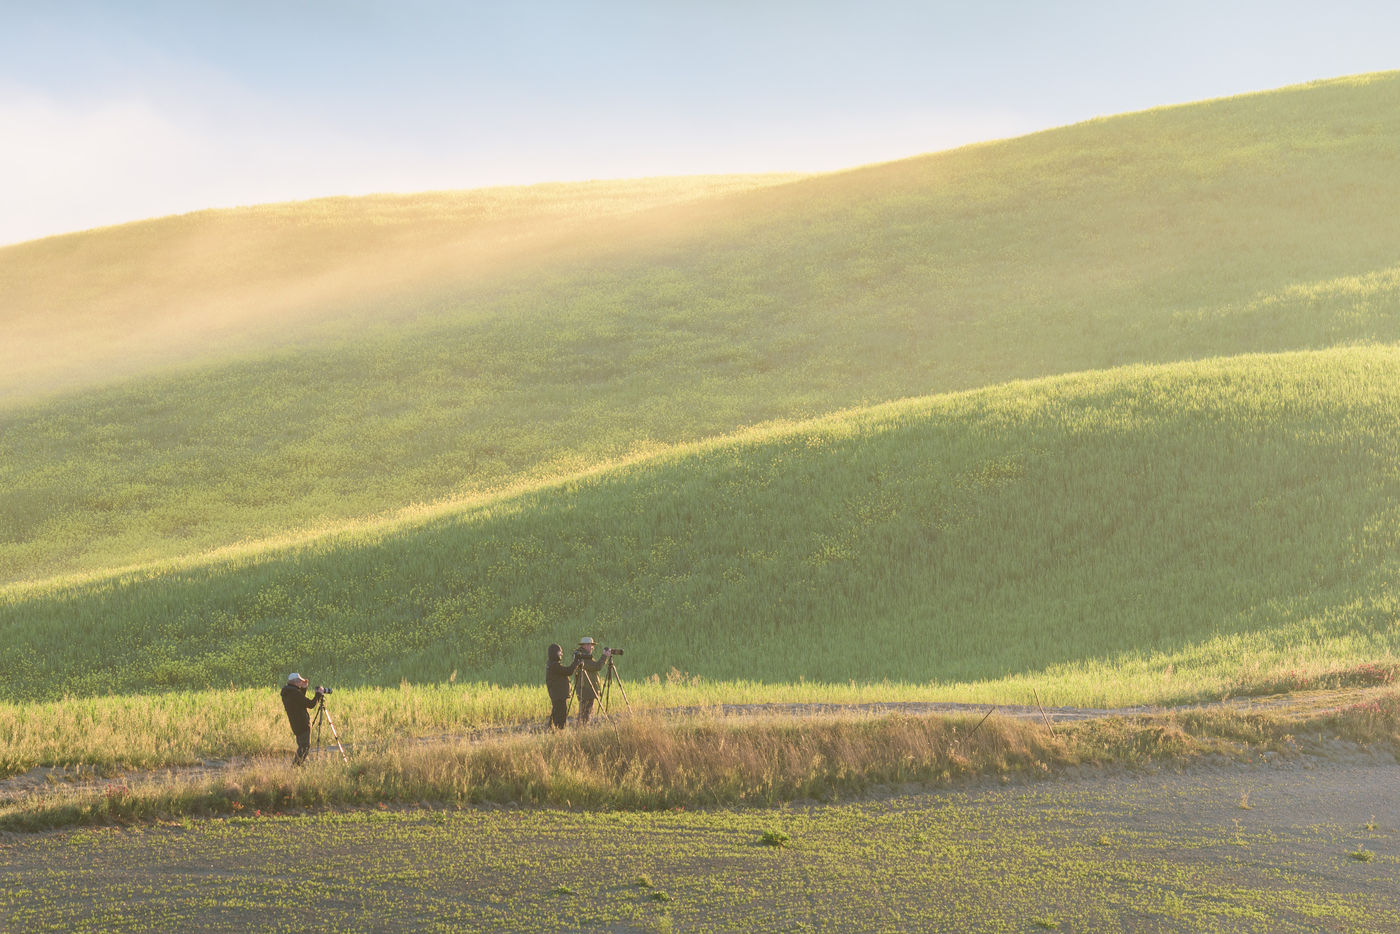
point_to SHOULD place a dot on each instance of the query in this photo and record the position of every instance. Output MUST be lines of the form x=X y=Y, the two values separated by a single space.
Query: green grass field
x=1107 y=412
x=1148 y=534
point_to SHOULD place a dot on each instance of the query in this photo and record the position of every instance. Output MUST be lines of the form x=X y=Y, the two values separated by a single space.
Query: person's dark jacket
x=297 y=704
x=557 y=674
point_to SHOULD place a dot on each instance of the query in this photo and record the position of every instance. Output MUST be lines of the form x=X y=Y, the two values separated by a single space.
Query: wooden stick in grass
x=1043 y=715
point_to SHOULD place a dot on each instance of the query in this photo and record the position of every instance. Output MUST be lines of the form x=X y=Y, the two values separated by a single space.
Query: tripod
x=323 y=715
x=612 y=678
x=602 y=695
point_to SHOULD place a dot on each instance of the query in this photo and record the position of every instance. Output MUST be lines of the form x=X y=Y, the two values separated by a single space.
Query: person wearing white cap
x=586 y=678
x=297 y=704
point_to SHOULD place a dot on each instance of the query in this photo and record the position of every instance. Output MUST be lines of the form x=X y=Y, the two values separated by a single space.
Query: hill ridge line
x=778 y=177
x=416 y=515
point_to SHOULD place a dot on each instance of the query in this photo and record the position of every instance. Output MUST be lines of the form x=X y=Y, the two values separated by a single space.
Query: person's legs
x=560 y=714
x=303 y=746
x=585 y=710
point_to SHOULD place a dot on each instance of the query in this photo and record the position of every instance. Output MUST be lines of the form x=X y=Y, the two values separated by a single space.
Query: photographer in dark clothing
x=556 y=681
x=297 y=704
x=587 y=678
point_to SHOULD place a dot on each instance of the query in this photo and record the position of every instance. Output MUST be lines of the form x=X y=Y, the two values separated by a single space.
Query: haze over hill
x=502 y=340
x=93 y=308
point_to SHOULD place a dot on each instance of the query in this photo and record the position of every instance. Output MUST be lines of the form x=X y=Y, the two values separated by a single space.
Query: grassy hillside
x=546 y=337
x=92 y=308
x=1137 y=534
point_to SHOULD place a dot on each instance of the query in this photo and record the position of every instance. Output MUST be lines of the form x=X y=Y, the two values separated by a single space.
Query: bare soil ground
x=1307 y=844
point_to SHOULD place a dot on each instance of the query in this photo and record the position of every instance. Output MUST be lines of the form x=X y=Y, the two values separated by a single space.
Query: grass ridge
x=647 y=764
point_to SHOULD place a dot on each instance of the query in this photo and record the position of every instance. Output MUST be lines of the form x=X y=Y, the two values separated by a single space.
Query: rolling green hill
x=398 y=438
x=1139 y=533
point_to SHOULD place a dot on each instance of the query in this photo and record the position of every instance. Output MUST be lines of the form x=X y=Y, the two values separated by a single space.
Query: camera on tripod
x=594 y=677
x=322 y=689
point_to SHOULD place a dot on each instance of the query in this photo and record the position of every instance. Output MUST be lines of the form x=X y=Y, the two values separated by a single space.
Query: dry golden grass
x=647 y=762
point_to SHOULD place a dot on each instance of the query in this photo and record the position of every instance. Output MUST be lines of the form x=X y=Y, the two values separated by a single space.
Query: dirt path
x=1307 y=845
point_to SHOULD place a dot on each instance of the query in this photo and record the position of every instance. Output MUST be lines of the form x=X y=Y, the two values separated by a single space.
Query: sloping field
x=243 y=383
x=1136 y=534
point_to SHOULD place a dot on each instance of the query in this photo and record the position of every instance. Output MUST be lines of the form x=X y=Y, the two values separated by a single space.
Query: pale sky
x=121 y=110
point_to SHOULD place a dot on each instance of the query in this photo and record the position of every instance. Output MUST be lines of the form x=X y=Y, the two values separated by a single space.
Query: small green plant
x=563 y=890
x=1362 y=855
x=1045 y=924
x=645 y=882
x=774 y=838
x=659 y=896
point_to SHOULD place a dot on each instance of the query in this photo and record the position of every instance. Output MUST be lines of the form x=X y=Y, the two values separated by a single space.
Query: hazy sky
x=114 y=111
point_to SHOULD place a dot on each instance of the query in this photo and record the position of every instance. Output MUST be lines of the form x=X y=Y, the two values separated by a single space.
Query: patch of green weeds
x=774 y=838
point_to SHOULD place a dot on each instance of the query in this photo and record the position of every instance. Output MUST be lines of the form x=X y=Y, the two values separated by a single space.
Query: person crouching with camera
x=297 y=704
x=556 y=681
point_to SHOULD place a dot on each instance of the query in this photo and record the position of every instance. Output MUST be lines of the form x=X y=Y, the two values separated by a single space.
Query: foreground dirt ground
x=1304 y=845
